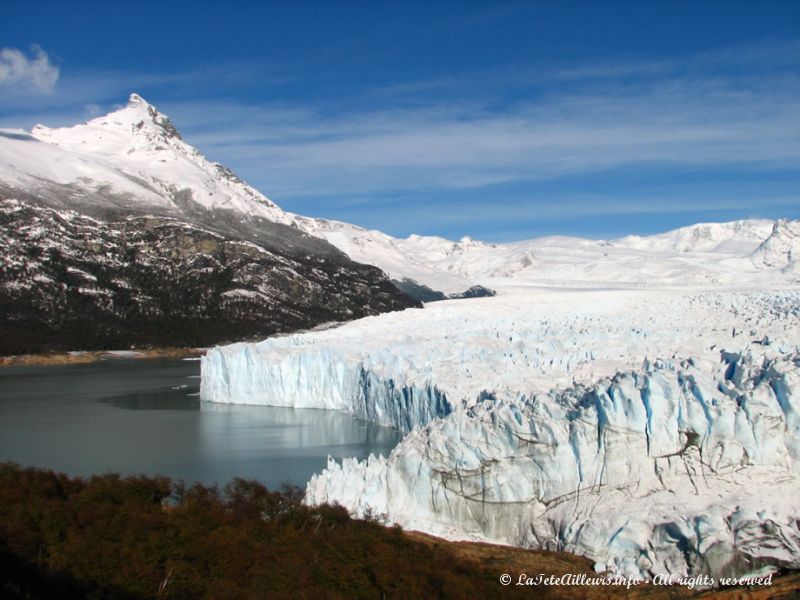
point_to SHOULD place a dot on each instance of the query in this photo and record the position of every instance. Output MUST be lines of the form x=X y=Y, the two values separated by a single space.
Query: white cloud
x=34 y=73
x=93 y=110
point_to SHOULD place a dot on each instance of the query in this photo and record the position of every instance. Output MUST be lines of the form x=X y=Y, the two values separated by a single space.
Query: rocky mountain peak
x=160 y=120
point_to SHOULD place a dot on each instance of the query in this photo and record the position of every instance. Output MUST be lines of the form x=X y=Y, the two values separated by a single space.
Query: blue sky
x=502 y=121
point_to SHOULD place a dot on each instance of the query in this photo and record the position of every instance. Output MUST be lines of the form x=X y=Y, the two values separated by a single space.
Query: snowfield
x=753 y=253
x=654 y=431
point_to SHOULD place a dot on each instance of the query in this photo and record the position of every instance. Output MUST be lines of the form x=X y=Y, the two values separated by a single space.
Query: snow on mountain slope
x=581 y=263
x=639 y=428
x=142 y=144
x=440 y=264
x=387 y=253
x=736 y=237
x=714 y=254
x=781 y=250
x=31 y=164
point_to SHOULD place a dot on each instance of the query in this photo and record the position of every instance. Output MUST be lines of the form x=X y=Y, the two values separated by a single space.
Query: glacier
x=653 y=431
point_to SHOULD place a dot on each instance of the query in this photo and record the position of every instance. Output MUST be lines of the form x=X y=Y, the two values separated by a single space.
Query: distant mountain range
x=116 y=232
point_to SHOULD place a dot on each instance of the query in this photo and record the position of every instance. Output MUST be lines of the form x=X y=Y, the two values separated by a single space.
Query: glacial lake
x=145 y=416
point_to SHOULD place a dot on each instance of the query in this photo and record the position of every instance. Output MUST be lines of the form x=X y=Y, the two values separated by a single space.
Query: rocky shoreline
x=90 y=356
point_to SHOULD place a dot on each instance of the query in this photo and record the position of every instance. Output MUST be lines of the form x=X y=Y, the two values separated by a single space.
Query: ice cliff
x=273 y=374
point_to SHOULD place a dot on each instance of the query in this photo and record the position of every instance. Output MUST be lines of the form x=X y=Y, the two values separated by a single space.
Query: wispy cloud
x=84 y=93
x=749 y=122
x=594 y=206
x=767 y=56
x=24 y=73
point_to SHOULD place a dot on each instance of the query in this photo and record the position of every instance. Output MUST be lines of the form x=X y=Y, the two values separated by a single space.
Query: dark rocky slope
x=69 y=280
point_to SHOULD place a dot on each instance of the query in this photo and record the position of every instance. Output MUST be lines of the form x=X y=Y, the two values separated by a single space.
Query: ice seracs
x=658 y=470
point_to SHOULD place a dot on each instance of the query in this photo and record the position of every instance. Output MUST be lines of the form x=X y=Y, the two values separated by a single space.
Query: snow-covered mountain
x=134 y=161
x=702 y=255
x=117 y=232
x=736 y=237
x=439 y=267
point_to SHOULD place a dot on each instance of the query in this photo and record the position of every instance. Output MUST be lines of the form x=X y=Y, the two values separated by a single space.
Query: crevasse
x=678 y=490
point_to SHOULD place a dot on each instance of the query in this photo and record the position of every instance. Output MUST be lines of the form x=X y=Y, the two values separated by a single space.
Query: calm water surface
x=145 y=416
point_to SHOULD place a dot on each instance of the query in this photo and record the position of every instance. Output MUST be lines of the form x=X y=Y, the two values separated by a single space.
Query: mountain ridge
x=143 y=163
x=142 y=144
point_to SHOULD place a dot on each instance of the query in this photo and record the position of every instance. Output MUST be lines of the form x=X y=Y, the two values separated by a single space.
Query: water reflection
x=275 y=442
x=174 y=399
x=145 y=416
x=293 y=430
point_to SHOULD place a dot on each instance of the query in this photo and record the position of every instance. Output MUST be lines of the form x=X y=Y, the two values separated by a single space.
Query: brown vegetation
x=149 y=537
x=144 y=537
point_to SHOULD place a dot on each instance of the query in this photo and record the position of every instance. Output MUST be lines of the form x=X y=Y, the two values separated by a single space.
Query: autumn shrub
x=110 y=536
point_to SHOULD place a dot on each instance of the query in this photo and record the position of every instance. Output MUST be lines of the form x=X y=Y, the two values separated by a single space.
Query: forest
x=109 y=536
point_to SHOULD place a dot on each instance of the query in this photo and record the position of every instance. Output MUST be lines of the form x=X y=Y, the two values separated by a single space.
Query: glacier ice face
x=660 y=470
x=273 y=374
x=653 y=431
x=523 y=340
